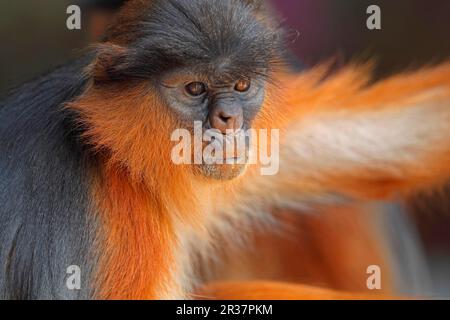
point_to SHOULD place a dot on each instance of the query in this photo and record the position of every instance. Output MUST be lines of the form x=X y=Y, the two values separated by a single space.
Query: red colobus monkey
x=86 y=175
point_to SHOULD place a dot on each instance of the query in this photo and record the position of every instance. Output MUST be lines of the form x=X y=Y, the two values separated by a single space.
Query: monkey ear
x=111 y=59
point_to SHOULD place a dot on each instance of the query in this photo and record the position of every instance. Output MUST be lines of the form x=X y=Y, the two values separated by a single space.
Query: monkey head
x=200 y=61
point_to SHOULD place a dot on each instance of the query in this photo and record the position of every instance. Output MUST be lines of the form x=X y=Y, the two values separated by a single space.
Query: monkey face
x=208 y=61
x=225 y=108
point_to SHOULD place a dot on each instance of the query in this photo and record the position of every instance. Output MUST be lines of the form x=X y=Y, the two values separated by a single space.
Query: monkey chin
x=221 y=172
x=227 y=169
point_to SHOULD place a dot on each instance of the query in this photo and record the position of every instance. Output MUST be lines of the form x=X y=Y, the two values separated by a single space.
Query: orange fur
x=331 y=248
x=134 y=194
x=350 y=89
x=146 y=203
x=131 y=130
x=137 y=254
x=266 y=290
x=127 y=20
x=407 y=149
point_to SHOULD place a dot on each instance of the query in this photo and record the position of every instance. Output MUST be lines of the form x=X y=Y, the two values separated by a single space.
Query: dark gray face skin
x=221 y=104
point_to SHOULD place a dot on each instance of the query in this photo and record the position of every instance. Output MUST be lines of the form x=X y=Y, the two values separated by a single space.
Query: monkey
x=86 y=176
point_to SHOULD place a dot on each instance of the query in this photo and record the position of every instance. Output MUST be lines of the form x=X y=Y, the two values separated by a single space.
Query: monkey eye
x=242 y=85
x=196 y=88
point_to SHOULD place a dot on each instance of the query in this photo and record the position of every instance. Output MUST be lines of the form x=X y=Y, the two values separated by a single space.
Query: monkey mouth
x=230 y=150
x=242 y=159
x=224 y=157
x=229 y=160
x=235 y=158
x=226 y=168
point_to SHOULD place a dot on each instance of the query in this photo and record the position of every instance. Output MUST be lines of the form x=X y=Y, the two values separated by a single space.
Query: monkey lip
x=235 y=160
x=228 y=170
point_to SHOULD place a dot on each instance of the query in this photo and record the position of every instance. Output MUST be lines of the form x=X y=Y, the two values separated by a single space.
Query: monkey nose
x=226 y=118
